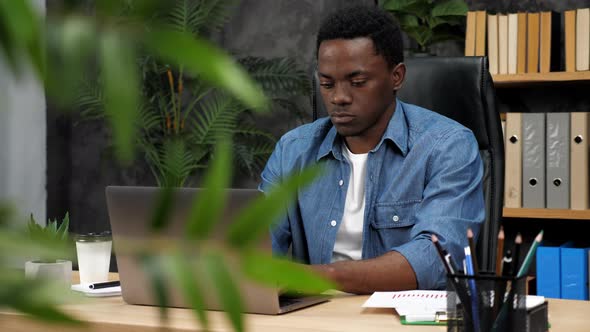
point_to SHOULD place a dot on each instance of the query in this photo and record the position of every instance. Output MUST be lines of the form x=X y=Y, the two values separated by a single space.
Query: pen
x=472 y=285
x=451 y=270
x=516 y=255
x=106 y=284
x=472 y=250
x=500 y=251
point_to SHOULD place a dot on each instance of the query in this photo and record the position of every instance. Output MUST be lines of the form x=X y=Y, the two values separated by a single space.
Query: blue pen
x=473 y=287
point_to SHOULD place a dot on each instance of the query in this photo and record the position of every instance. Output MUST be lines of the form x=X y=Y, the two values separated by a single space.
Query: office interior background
x=53 y=161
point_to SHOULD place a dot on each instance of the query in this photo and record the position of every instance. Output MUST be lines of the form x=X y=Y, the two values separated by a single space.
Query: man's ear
x=398 y=74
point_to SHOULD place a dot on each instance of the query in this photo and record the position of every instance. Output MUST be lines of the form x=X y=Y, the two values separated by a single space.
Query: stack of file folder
x=547 y=160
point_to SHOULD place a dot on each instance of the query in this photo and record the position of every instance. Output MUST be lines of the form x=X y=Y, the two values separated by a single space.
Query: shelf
x=523 y=79
x=546 y=213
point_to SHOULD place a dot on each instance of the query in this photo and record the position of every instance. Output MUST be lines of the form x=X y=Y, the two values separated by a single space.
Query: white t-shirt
x=349 y=239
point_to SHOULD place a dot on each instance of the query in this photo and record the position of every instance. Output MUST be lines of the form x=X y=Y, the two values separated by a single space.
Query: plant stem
x=180 y=90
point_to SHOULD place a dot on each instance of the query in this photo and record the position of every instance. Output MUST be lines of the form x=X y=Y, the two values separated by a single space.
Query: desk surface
x=343 y=313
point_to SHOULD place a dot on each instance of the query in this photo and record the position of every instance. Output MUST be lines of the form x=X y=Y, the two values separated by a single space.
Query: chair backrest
x=460 y=88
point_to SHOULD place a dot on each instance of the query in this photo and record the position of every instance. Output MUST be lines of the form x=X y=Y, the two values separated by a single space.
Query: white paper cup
x=94 y=256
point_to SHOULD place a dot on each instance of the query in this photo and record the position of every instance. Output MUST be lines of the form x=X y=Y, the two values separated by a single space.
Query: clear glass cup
x=94 y=256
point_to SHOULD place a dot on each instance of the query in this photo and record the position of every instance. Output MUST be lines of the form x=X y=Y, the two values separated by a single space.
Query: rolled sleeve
x=452 y=202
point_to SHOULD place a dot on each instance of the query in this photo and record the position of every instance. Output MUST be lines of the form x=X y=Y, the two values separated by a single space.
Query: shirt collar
x=396 y=132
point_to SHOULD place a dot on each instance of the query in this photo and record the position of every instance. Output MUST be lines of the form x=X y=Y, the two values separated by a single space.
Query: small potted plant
x=47 y=266
x=429 y=21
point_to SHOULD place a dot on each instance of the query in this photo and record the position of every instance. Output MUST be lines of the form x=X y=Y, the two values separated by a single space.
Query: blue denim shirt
x=424 y=177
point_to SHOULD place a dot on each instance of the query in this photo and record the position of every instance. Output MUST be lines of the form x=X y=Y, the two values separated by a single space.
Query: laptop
x=130 y=212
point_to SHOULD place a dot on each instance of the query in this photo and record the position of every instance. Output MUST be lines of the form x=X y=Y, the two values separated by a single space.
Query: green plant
x=50 y=233
x=429 y=21
x=76 y=44
x=183 y=116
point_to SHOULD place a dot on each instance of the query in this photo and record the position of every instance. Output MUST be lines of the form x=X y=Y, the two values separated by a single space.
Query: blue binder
x=549 y=272
x=574 y=273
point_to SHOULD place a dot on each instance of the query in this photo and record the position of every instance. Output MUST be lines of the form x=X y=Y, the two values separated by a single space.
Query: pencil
x=472 y=250
x=516 y=256
x=500 y=251
x=529 y=256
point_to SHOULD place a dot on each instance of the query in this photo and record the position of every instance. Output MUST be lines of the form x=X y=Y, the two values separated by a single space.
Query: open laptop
x=130 y=212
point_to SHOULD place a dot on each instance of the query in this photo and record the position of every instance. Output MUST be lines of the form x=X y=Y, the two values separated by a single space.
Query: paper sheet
x=101 y=292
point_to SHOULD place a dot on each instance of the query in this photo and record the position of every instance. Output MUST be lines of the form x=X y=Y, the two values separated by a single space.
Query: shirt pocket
x=395 y=215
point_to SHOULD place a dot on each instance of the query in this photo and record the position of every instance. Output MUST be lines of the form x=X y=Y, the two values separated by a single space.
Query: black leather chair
x=460 y=88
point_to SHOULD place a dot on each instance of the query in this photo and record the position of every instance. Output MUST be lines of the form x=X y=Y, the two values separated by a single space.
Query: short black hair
x=364 y=21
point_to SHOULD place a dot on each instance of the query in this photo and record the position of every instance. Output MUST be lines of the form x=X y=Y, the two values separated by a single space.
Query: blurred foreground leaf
x=208 y=207
x=258 y=217
x=269 y=270
x=155 y=270
x=204 y=59
x=121 y=92
x=183 y=273
x=229 y=295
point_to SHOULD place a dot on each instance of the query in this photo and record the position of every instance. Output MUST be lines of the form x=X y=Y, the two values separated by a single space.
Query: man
x=394 y=174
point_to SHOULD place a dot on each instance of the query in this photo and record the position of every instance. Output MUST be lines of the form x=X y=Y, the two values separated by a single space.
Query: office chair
x=460 y=88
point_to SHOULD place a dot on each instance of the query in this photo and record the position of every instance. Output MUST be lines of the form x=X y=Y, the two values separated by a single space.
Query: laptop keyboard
x=285 y=300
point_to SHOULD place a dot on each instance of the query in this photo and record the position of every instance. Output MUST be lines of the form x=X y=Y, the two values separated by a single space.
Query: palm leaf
x=215 y=13
x=90 y=101
x=278 y=76
x=217 y=117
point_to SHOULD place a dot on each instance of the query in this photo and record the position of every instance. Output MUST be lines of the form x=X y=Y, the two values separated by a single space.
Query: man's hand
x=389 y=272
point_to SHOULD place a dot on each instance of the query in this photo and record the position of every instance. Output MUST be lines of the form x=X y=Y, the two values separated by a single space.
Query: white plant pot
x=59 y=272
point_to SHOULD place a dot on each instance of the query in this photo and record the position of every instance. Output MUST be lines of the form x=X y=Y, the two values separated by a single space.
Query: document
x=423 y=305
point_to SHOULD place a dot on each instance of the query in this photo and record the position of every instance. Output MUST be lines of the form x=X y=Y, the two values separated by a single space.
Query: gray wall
x=22 y=138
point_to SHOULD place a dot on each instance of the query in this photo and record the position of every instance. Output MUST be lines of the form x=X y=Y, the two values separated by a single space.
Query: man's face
x=358 y=87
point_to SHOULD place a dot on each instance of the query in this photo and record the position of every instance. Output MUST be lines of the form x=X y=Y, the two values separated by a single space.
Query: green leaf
x=421 y=35
x=47 y=313
x=229 y=295
x=163 y=208
x=121 y=88
x=268 y=270
x=62 y=231
x=450 y=8
x=155 y=272
x=184 y=276
x=399 y=5
x=208 y=207
x=257 y=217
x=408 y=21
x=206 y=60
x=21 y=32
x=416 y=7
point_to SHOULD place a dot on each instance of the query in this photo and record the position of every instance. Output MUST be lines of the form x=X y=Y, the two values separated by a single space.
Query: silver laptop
x=130 y=212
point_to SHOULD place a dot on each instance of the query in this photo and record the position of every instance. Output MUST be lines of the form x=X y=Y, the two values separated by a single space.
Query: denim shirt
x=424 y=177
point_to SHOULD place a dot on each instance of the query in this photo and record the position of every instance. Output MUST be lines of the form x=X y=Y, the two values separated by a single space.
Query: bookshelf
x=546 y=213
x=515 y=80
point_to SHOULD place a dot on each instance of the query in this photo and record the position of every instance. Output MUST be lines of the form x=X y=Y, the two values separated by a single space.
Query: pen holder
x=485 y=303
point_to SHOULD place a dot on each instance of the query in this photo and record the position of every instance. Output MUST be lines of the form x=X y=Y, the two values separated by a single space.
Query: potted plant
x=45 y=265
x=182 y=116
x=429 y=21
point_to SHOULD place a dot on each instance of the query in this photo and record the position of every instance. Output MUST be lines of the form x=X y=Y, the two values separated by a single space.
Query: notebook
x=130 y=210
x=424 y=307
